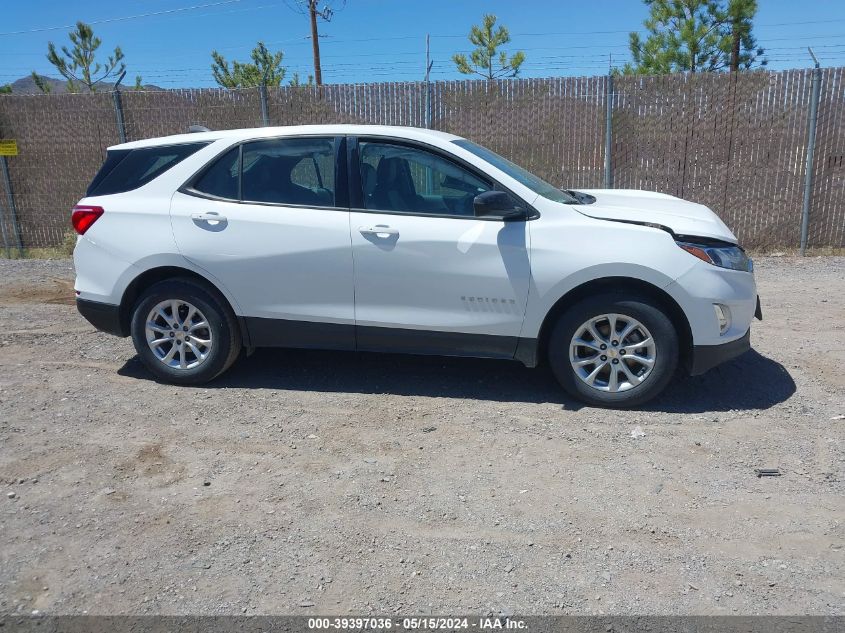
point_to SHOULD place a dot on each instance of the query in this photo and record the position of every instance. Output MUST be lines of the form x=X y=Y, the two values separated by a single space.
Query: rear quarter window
x=221 y=179
x=125 y=170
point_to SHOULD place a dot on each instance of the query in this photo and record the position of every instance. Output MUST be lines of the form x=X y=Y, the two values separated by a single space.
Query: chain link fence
x=735 y=142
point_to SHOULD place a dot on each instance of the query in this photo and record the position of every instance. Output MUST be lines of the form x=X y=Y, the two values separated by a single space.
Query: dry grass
x=62 y=251
x=820 y=251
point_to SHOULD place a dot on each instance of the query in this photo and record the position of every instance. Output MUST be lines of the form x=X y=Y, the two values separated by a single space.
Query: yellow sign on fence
x=8 y=147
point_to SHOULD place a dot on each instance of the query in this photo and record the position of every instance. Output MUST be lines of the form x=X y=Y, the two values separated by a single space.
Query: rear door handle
x=208 y=217
x=379 y=230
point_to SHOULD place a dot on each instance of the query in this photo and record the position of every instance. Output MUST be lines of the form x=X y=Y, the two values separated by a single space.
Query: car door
x=270 y=221
x=430 y=277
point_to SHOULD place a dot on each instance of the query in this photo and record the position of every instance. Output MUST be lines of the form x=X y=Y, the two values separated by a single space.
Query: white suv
x=401 y=240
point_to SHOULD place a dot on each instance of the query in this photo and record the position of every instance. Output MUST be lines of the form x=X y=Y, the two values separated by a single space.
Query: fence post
x=428 y=64
x=13 y=214
x=118 y=109
x=811 y=149
x=608 y=132
x=3 y=231
x=118 y=115
x=265 y=109
x=427 y=105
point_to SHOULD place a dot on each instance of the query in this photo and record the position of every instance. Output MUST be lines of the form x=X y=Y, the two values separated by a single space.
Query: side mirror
x=498 y=204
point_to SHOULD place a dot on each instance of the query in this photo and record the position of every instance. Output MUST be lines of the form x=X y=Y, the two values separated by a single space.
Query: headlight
x=732 y=257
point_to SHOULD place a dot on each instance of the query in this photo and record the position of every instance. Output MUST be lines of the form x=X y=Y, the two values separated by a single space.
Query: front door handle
x=380 y=230
x=208 y=217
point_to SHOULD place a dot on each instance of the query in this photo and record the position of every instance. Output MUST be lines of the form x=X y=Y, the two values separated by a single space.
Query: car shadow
x=751 y=381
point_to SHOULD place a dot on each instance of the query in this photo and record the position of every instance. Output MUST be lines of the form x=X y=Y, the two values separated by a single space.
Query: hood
x=681 y=216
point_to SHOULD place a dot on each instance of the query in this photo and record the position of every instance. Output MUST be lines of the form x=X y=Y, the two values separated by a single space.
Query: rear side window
x=221 y=179
x=113 y=157
x=294 y=171
x=125 y=170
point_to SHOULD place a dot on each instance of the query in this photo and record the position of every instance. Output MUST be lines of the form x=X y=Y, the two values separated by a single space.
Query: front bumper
x=103 y=316
x=705 y=285
x=706 y=357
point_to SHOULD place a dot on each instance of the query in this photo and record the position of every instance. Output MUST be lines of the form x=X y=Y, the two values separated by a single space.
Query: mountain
x=26 y=86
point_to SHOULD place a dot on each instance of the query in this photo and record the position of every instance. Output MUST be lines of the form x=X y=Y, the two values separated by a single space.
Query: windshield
x=525 y=177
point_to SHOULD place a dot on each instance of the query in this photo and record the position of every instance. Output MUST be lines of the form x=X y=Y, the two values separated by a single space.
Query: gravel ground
x=320 y=482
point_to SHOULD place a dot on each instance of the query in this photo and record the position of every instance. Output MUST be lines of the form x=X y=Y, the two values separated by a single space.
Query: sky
x=169 y=42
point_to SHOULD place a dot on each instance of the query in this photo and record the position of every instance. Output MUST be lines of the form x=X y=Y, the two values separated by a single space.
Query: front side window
x=295 y=171
x=407 y=179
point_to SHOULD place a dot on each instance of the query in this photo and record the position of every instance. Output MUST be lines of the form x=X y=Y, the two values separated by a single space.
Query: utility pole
x=312 y=13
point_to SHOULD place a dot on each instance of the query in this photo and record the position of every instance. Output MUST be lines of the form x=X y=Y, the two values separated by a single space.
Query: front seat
x=394 y=190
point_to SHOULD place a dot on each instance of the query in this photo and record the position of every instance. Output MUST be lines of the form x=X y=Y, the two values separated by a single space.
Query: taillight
x=83 y=217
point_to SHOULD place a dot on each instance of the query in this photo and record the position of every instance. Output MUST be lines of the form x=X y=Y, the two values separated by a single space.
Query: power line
x=291 y=57
x=392 y=54
x=389 y=57
x=412 y=67
x=124 y=18
x=807 y=22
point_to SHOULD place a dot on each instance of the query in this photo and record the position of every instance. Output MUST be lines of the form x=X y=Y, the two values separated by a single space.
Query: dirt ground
x=320 y=482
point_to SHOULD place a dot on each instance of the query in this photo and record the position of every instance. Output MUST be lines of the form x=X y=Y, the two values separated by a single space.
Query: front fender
x=539 y=309
x=569 y=250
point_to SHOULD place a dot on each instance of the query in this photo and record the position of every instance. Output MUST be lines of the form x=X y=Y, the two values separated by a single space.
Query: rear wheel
x=184 y=333
x=614 y=350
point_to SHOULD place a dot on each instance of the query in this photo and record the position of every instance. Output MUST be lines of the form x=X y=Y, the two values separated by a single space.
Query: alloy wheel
x=612 y=353
x=178 y=334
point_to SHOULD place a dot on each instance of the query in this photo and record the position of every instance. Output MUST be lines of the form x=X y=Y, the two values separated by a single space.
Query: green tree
x=139 y=83
x=296 y=81
x=486 y=60
x=265 y=66
x=695 y=36
x=6 y=90
x=42 y=85
x=78 y=64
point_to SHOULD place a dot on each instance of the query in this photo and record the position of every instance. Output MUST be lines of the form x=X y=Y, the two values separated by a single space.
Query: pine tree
x=696 y=36
x=78 y=64
x=486 y=60
x=265 y=67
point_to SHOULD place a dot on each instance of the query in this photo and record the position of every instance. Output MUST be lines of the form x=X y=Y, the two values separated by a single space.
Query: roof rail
x=197 y=128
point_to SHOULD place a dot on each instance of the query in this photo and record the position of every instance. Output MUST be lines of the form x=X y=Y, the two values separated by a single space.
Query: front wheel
x=184 y=333
x=614 y=350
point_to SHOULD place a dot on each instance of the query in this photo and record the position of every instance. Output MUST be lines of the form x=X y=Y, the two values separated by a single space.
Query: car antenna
x=193 y=129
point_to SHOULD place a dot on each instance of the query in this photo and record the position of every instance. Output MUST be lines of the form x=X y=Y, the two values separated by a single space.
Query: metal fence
x=735 y=142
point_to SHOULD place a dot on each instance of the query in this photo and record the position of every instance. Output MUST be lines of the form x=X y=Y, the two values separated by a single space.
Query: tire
x=205 y=344
x=652 y=338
